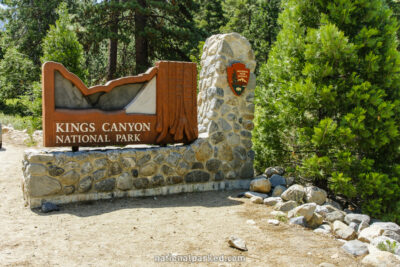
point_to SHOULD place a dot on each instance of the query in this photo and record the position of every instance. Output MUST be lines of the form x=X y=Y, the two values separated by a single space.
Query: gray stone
x=392 y=235
x=250 y=97
x=289 y=180
x=231 y=117
x=157 y=180
x=69 y=178
x=391 y=226
x=387 y=244
x=36 y=169
x=238 y=243
x=125 y=181
x=335 y=216
x=300 y=220
x=278 y=190
x=49 y=207
x=197 y=165
x=159 y=158
x=245 y=134
x=355 y=247
x=333 y=203
x=247 y=171
x=167 y=170
x=67 y=190
x=212 y=127
x=146 y=158
x=326 y=264
x=100 y=174
x=305 y=210
x=197 y=177
x=379 y=258
x=39 y=186
x=85 y=184
x=277 y=180
x=148 y=170
x=286 y=206
x=315 y=194
x=217 y=137
x=86 y=168
x=174 y=179
x=105 y=185
x=342 y=231
x=356 y=218
x=189 y=155
x=225 y=109
x=173 y=158
x=323 y=229
x=182 y=168
x=354 y=226
x=272 y=201
x=216 y=103
x=215 y=91
x=101 y=163
x=362 y=226
x=251 y=154
x=141 y=183
x=315 y=221
x=225 y=126
x=250 y=194
x=55 y=171
x=274 y=170
x=322 y=210
x=232 y=175
x=239 y=153
x=248 y=144
x=115 y=168
x=370 y=233
x=260 y=184
x=219 y=176
x=295 y=192
x=213 y=165
x=256 y=200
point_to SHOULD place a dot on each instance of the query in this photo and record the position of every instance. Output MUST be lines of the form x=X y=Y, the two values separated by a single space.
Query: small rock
x=272 y=201
x=370 y=233
x=278 y=190
x=298 y=220
x=286 y=206
x=274 y=222
x=256 y=200
x=306 y=210
x=355 y=247
x=277 y=213
x=252 y=222
x=334 y=216
x=380 y=258
x=362 y=226
x=261 y=185
x=289 y=180
x=315 y=194
x=295 y=193
x=322 y=210
x=357 y=218
x=315 y=221
x=277 y=180
x=333 y=203
x=321 y=231
x=238 y=243
x=326 y=264
x=254 y=194
x=49 y=207
x=343 y=231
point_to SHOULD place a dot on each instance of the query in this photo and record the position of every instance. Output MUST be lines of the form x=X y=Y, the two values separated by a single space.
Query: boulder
x=261 y=185
x=322 y=210
x=378 y=258
x=386 y=244
x=343 y=231
x=274 y=170
x=315 y=194
x=277 y=180
x=323 y=229
x=370 y=233
x=289 y=180
x=355 y=247
x=272 y=201
x=335 y=216
x=298 y=220
x=362 y=226
x=333 y=203
x=356 y=218
x=295 y=193
x=286 y=206
x=306 y=210
x=278 y=190
x=390 y=226
x=256 y=200
x=315 y=221
x=254 y=194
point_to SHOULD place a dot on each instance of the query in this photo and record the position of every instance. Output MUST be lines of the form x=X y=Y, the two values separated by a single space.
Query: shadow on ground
x=201 y=199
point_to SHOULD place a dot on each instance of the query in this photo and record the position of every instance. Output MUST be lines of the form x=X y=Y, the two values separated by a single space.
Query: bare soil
x=132 y=232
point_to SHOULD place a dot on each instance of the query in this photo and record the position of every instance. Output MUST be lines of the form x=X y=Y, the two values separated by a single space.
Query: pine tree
x=328 y=106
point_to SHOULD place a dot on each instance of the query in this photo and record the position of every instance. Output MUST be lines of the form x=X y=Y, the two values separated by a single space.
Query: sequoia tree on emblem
x=238 y=77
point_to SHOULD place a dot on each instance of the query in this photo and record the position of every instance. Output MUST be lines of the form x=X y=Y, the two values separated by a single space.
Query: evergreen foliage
x=328 y=101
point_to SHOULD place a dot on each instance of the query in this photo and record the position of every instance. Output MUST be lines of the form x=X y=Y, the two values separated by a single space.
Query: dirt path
x=131 y=232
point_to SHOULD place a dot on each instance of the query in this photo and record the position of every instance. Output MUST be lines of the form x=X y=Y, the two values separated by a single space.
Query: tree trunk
x=113 y=45
x=141 y=43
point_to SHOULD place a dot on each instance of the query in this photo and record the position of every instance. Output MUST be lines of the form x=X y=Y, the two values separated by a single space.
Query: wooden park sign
x=238 y=77
x=157 y=107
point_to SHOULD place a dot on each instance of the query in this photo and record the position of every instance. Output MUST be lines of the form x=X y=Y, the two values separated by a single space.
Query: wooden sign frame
x=175 y=120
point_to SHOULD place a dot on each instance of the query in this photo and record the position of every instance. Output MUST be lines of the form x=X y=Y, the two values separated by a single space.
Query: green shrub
x=328 y=102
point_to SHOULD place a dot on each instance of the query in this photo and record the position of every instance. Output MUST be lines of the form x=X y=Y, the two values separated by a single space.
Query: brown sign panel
x=157 y=107
x=238 y=77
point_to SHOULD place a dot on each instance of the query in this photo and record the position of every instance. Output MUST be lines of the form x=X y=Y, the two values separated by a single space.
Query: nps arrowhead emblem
x=238 y=77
